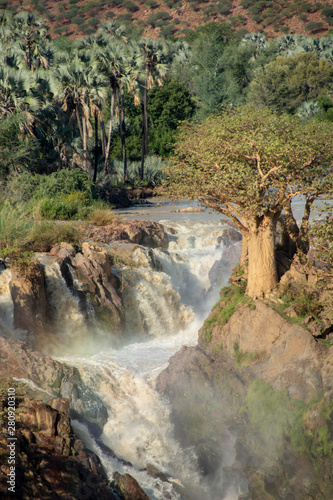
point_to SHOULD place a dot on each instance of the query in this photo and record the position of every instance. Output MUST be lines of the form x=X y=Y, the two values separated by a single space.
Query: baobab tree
x=248 y=165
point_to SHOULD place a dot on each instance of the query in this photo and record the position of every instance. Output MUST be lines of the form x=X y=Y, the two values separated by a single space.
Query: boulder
x=141 y=232
x=50 y=462
x=128 y=487
x=31 y=310
x=54 y=378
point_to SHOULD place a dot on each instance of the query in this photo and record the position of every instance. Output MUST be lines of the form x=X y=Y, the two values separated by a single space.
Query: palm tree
x=116 y=59
x=18 y=94
x=79 y=89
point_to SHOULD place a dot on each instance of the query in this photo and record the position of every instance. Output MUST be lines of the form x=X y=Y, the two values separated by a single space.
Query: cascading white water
x=164 y=310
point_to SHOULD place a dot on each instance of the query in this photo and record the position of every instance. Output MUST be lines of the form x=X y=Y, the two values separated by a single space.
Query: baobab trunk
x=262 y=271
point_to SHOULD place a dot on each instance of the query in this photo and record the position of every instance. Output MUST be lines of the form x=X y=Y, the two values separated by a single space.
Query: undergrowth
x=231 y=297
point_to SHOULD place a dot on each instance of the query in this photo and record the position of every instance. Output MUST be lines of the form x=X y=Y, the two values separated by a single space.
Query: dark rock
x=154 y=472
x=19 y=361
x=47 y=465
x=129 y=487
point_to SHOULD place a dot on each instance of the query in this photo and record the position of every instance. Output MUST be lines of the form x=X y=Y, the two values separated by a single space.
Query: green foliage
x=321 y=235
x=152 y=4
x=283 y=84
x=272 y=414
x=130 y=6
x=314 y=26
x=64 y=207
x=231 y=297
x=43 y=235
x=16 y=150
x=14 y=226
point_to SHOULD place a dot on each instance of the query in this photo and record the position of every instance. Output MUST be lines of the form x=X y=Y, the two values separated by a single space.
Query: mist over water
x=164 y=310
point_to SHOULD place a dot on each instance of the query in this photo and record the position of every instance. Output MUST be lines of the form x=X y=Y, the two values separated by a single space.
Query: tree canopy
x=248 y=164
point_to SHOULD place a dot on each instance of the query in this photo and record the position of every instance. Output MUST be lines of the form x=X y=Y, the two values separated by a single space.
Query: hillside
x=166 y=18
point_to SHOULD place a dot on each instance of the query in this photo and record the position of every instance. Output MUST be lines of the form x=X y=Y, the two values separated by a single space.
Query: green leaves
x=248 y=161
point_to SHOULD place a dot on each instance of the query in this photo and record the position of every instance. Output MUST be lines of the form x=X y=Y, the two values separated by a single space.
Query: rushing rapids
x=164 y=306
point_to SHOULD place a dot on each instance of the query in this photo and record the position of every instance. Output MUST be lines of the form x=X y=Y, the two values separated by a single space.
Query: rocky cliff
x=255 y=396
x=42 y=458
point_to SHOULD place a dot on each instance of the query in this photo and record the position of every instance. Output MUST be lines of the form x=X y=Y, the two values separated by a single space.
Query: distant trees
x=283 y=84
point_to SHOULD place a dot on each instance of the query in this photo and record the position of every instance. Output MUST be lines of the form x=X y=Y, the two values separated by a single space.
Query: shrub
x=103 y=216
x=308 y=7
x=110 y=15
x=125 y=17
x=60 y=30
x=314 y=26
x=65 y=207
x=327 y=11
x=14 y=226
x=78 y=20
x=44 y=235
x=93 y=21
x=130 y=6
x=152 y=4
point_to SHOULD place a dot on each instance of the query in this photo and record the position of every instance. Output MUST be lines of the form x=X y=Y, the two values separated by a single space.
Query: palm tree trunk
x=122 y=131
x=28 y=51
x=96 y=148
x=144 y=151
x=108 y=147
x=85 y=151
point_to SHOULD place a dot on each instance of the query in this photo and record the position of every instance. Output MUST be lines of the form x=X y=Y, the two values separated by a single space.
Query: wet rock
x=154 y=472
x=129 y=487
x=93 y=268
x=146 y=233
x=89 y=276
x=56 y=379
x=50 y=462
x=208 y=387
x=31 y=311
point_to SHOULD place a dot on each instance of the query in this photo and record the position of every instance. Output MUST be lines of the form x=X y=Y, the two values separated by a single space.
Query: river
x=164 y=310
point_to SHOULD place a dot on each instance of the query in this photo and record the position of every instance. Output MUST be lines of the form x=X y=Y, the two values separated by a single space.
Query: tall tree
x=79 y=89
x=248 y=165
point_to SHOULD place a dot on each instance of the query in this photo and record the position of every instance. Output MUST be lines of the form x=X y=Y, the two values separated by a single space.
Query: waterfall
x=165 y=306
x=164 y=310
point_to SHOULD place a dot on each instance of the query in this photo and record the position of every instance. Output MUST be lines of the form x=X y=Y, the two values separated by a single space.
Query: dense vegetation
x=105 y=109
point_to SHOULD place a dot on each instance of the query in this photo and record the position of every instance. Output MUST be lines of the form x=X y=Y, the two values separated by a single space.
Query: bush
x=60 y=30
x=78 y=20
x=65 y=207
x=152 y=4
x=103 y=216
x=93 y=21
x=327 y=12
x=44 y=235
x=14 y=226
x=314 y=26
x=130 y=6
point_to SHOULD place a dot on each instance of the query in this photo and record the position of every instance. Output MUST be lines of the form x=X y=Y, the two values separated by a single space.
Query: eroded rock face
x=92 y=267
x=49 y=461
x=288 y=355
x=31 y=311
x=146 y=233
x=248 y=384
x=56 y=379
